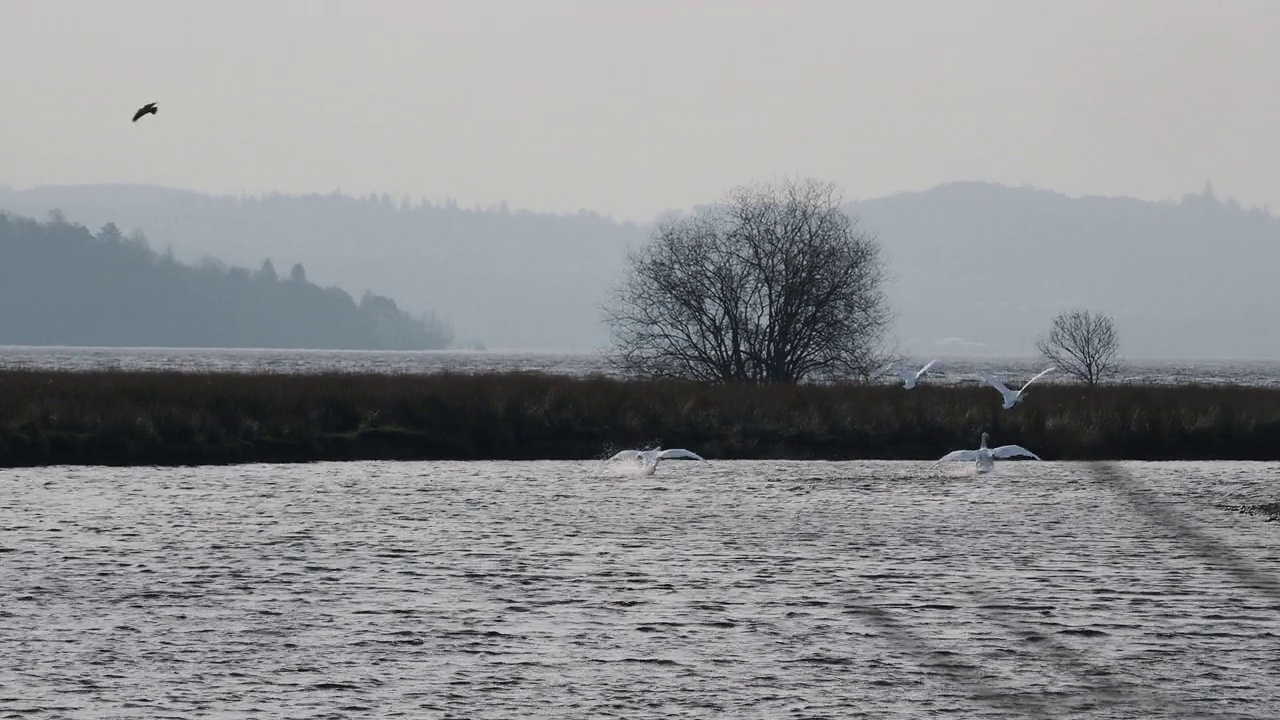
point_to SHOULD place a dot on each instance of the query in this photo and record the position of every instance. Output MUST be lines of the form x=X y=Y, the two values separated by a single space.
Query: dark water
x=949 y=371
x=553 y=589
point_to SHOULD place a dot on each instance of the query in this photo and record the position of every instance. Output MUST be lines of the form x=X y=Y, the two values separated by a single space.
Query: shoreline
x=126 y=418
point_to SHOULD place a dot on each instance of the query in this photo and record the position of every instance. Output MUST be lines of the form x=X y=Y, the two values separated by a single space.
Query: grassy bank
x=174 y=418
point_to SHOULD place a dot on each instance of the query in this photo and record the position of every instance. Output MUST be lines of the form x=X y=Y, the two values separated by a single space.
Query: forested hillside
x=60 y=284
x=501 y=277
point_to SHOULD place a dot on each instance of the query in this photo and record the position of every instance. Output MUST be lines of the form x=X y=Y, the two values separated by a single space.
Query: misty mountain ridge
x=62 y=285
x=499 y=277
x=982 y=268
x=977 y=268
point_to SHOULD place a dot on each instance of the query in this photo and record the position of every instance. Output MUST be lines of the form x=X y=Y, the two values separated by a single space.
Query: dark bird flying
x=149 y=108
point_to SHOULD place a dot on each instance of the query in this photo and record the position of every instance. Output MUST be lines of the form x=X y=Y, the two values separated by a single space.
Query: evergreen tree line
x=60 y=284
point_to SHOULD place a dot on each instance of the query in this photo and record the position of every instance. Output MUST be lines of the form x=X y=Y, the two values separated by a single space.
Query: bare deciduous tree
x=1083 y=345
x=773 y=284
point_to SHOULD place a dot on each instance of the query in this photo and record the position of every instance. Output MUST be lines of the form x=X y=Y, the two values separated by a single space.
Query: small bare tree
x=1083 y=345
x=772 y=284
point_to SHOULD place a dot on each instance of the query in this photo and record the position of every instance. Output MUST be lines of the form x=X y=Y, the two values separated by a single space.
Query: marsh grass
x=124 y=418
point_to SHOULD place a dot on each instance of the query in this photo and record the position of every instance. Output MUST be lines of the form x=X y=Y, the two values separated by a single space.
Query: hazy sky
x=634 y=107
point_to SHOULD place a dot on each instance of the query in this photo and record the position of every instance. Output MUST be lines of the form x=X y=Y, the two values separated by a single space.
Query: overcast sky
x=634 y=107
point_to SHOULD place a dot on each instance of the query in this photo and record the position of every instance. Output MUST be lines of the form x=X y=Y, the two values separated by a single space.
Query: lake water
x=718 y=589
x=948 y=371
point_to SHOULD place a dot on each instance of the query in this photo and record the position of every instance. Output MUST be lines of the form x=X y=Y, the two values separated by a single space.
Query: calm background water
x=558 y=589
x=947 y=371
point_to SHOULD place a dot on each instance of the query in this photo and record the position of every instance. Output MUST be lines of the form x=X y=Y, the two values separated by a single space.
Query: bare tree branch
x=773 y=284
x=1083 y=345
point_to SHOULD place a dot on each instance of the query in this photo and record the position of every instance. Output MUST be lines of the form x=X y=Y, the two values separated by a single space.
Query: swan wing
x=1008 y=451
x=1041 y=374
x=959 y=456
x=1005 y=391
x=625 y=455
x=925 y=369
x=678 y=454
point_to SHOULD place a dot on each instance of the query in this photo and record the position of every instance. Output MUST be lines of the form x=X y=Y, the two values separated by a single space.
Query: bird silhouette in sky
x=148 y=109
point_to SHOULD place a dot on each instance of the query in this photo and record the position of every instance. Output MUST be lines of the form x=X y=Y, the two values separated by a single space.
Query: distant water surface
x=579 y=363
x=555 y=589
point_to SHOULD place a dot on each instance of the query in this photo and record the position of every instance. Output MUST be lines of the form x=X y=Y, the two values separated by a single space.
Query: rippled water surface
x=719 y=589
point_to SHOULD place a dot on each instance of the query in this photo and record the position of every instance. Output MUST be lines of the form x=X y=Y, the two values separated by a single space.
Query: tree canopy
x=1082 y=344
x=772 y=284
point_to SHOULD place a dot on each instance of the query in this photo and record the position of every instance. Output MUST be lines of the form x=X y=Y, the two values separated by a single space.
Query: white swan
x=1012 y=398
x=909 y=377
x=985 y=457
x=648 y=460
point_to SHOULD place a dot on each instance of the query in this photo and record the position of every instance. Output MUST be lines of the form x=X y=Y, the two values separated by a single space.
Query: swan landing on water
x=647 y=460
x=984 y=457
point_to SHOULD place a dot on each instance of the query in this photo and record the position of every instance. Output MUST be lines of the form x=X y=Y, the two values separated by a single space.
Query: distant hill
x=988 y=266
x=502 y=278
x=978 y=268
x=62 y=285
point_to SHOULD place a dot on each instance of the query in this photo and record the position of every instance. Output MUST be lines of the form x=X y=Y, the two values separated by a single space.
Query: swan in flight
x=984 y=457
x=647 y=460
x=909 y=376
x=1012 y=398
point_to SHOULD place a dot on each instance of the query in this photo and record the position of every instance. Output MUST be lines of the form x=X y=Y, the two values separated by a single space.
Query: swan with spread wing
x=647 y=460
x=984 y=457
x=1010 y=397
x=909 y=376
